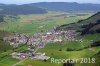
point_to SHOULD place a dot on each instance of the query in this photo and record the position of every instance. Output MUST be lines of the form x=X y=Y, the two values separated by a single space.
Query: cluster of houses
x=16 y=40
x=38 y=40
x=30 y=55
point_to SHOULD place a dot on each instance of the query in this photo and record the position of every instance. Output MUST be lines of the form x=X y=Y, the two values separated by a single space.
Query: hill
x=92 y=28
x=67 y=6
x=42 y=7
x=90 y=25
x=20 y=9
x=87 y=26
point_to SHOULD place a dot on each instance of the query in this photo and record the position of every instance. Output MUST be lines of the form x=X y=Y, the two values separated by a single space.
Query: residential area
x=36 y=41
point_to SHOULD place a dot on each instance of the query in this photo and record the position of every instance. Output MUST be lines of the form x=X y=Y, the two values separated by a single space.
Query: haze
x=34 y=1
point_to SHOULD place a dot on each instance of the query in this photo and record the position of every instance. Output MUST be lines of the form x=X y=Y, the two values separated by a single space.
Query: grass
x=52 y=50
x=38 y=63
x=94 y=37
x=37 y=25
x=8 y=61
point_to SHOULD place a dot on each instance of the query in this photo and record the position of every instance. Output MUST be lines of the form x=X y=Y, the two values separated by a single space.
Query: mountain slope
x=42 y=7
x=67 y=6
x=20 y=9
x=89 y=25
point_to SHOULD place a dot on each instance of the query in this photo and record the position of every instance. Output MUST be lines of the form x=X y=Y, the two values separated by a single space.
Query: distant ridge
x=43 y=7
x=13 y=9
x=67 y=6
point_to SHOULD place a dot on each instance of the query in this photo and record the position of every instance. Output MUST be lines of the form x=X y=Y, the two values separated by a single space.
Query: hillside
x=89 y=25
x=67 y=6
x=20 y=9
x=92 y=28
x=43 y=7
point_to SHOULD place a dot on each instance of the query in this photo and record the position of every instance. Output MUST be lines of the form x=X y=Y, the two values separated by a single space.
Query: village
x=36 y=41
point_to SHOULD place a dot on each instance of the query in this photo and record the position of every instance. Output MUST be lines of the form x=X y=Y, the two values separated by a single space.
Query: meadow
x=30 y=24
x=53 y=51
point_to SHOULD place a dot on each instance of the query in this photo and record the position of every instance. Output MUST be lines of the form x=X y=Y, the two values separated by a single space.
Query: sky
x=34 y=1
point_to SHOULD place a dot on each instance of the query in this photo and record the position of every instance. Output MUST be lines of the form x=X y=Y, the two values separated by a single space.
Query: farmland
x=30 y=24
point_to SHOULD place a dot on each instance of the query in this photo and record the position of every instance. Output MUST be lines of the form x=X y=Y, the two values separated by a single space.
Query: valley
x=31 y=37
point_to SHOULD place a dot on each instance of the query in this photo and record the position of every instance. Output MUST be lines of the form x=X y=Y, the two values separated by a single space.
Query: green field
x=8 y=61
x=52 y=50
x=30 y=24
